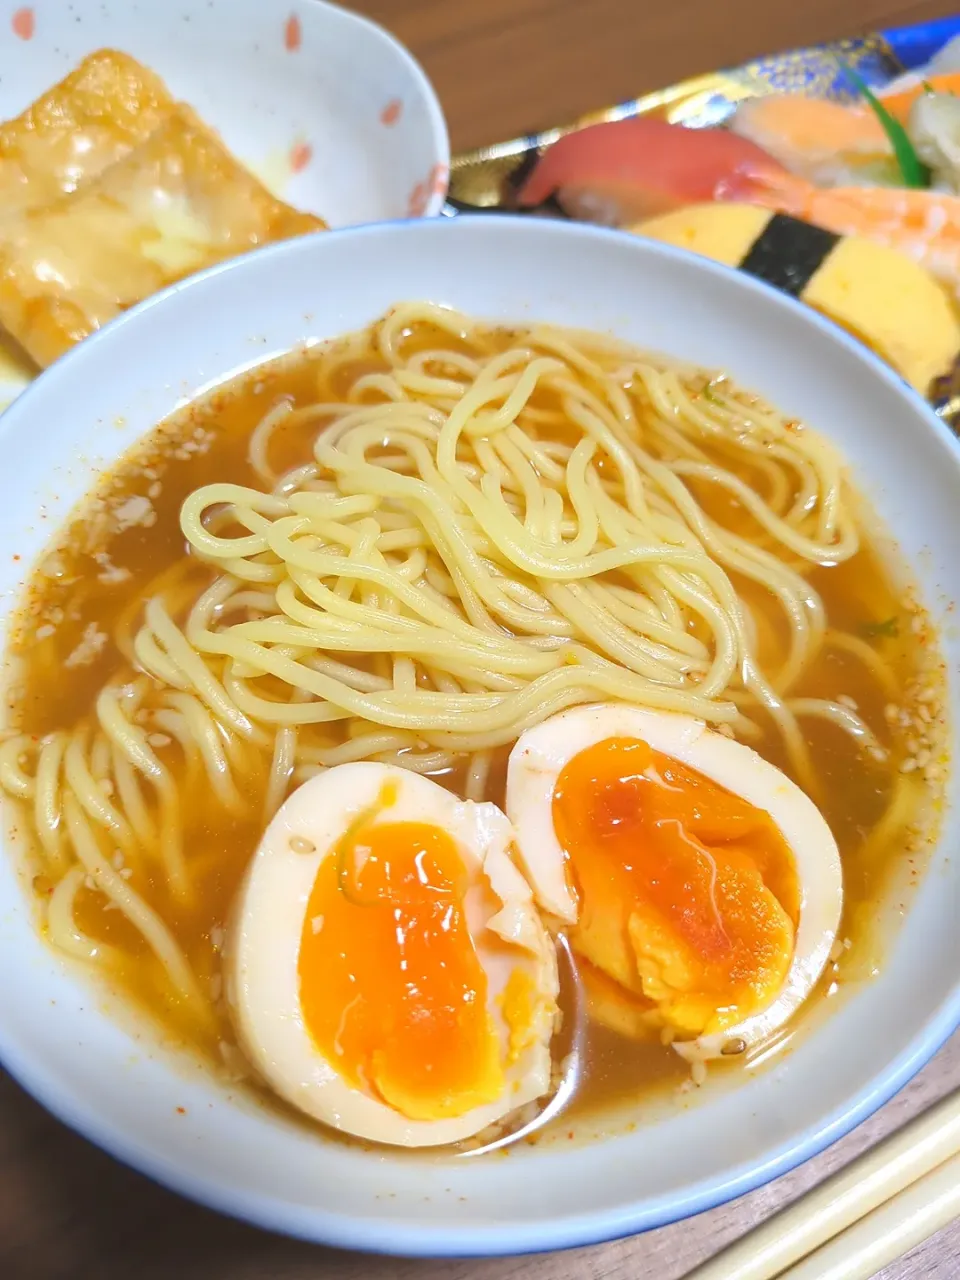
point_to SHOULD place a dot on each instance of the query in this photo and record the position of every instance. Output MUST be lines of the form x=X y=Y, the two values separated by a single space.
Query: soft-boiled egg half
x=702 y=885
x=387 y=967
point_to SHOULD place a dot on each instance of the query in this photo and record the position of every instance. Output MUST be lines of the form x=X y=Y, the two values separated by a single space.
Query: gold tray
x=484 y=180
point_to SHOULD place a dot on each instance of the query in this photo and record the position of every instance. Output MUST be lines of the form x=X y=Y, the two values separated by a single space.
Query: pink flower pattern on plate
x=292 y=34
x=24 y=23
x=301 y=153
x=435 y=183
x=391 y=113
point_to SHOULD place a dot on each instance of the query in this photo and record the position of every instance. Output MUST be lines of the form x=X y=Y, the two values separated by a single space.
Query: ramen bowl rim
x=389 y=1237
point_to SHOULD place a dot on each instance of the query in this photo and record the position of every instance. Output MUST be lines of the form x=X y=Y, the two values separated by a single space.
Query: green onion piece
x=912 y=169
x=889 y=627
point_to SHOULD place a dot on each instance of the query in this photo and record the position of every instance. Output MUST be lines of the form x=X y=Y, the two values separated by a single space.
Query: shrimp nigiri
x=625 y=170
x=925 y=225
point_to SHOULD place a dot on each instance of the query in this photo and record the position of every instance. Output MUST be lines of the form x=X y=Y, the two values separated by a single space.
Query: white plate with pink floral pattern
x=325 y=107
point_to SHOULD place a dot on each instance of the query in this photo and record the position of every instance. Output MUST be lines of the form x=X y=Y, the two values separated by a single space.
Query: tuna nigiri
x=625 y=170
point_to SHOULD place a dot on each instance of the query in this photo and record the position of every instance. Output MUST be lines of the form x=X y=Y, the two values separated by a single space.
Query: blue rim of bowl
x=398 y=1239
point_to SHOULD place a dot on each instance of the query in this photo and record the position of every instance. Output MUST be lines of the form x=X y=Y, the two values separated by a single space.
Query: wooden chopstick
x=845 y=1198
x=887 y=1233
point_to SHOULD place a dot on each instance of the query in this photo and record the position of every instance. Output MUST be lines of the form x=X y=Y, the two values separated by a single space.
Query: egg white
x=262 y=981
x=542 y=753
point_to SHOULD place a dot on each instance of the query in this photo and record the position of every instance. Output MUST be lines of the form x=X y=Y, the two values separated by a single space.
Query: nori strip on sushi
x=788 y=253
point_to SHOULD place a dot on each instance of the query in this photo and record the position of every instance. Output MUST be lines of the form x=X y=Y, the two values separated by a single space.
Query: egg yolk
x=688 y=894
x=391 y=987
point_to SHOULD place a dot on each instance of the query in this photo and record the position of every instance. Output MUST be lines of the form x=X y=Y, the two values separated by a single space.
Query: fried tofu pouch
x=174 y=204
x=94 y=117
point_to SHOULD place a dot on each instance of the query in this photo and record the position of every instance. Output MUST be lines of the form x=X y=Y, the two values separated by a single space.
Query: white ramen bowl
x=83 y=1062
x=327 y=108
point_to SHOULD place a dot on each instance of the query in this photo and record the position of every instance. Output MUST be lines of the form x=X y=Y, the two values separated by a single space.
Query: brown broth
x=79 y=592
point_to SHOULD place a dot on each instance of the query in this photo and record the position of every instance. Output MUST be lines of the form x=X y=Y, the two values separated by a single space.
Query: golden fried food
x=173 y=205
x=95 y=116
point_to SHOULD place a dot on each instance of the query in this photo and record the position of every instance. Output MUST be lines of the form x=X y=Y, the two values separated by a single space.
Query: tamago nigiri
x=924 y=225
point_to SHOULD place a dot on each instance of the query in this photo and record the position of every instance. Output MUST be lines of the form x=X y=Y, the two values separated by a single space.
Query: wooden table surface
x=502 y=68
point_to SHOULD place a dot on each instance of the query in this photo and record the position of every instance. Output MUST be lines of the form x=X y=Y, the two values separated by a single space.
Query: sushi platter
x=832 y=173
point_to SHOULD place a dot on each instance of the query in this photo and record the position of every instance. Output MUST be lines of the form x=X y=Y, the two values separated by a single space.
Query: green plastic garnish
x=912 y=169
